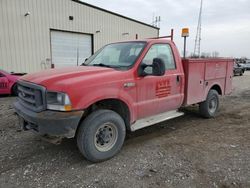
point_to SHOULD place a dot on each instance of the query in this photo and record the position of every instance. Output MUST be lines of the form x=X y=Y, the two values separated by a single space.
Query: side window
x=162 y=51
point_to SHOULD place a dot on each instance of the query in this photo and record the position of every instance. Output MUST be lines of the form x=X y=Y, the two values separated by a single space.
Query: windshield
x=119 y=55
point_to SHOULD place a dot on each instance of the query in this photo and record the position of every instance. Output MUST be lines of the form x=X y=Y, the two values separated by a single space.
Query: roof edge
x=116 y=14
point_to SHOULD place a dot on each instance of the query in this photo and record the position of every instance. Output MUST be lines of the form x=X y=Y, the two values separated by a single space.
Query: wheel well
x=217 y=88
x=12 y=87
x=116 y=105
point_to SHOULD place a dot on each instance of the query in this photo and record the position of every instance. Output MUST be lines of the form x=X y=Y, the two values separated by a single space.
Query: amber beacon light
x=185 y=34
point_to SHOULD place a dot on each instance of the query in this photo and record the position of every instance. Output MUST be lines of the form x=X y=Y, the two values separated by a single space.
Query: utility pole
x=197 y=46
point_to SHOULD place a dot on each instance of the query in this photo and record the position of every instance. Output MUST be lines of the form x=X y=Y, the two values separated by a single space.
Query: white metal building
x=35 y=34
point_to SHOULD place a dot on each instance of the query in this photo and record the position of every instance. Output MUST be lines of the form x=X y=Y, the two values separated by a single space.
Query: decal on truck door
x=163 y=88
x=3 y=85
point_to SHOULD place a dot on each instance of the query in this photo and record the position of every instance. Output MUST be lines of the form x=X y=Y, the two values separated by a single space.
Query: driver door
x=158 y=94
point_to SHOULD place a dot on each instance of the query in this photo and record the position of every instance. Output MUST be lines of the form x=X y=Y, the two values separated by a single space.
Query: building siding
x=25 y=41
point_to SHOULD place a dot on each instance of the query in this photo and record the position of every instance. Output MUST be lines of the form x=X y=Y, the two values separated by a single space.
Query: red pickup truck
x=8 y=82
x=123 y=87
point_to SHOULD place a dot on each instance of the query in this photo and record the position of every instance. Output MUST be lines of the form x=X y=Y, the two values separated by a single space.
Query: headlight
x=58 y=101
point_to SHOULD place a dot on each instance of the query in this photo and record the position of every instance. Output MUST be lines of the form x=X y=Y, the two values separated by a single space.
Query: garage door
x=70 y=49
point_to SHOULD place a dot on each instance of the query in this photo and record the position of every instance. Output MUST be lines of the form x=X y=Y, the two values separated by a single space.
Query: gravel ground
x=185 y=152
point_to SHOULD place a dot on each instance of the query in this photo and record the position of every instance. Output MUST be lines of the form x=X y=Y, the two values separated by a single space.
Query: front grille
x=31 y=96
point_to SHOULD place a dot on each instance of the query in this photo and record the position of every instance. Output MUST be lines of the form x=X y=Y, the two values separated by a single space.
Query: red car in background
x=8 y=82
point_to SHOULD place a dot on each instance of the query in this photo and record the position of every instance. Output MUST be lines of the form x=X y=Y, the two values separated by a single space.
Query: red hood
x=65 y=75
x=13 y=77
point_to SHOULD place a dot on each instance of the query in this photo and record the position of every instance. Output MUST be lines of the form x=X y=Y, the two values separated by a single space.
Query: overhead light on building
x=125 y=34
x=99 y=31
x=71 y=18
x=27 y=14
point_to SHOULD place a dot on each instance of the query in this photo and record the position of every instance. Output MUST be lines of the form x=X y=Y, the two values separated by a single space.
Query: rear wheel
x=101 y=135
x=209 y=107
x=241 y=73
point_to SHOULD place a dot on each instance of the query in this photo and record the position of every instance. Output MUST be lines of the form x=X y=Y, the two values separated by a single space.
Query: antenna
x=156 y=21
x=197 y=46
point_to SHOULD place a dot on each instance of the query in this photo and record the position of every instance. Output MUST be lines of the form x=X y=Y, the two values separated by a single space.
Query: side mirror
x=83 y=64
x=156 y=69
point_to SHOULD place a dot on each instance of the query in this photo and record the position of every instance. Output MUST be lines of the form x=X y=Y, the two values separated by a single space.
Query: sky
x=225 y=23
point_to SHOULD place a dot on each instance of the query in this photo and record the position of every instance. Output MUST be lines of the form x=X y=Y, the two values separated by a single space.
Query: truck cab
x=125 y=86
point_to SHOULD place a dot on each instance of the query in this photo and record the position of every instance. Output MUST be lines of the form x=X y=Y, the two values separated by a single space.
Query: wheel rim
x=213 y=105
x=106 y=137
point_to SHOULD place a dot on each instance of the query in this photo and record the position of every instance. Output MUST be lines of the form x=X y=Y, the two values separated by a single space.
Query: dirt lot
x=185 y=152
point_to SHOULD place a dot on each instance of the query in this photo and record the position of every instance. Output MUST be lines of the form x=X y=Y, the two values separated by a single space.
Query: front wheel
x=14 y=90
x=101 y=135
x=209 y=107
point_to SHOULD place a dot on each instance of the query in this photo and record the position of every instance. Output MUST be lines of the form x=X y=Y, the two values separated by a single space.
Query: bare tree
x=215 y=54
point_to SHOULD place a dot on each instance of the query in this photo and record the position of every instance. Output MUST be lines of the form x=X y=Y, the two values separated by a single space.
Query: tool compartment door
x=215 y=70
x=194 y=88
x=202 y=74
x=229 y=77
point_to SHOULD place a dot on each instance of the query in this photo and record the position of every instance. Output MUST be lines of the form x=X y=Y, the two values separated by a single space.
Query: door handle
x=178 y=78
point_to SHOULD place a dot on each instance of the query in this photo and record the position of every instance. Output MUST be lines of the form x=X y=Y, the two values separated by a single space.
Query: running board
x=142 y=123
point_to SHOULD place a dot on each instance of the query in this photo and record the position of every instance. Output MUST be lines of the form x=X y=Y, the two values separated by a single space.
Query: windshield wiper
x=83 y=64
x=104 y=65
x=110 y=66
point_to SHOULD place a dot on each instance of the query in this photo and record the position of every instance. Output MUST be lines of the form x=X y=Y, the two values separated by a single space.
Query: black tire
x=241 y=73
x=14 y=91
x=92 y=134
x=209 y=108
